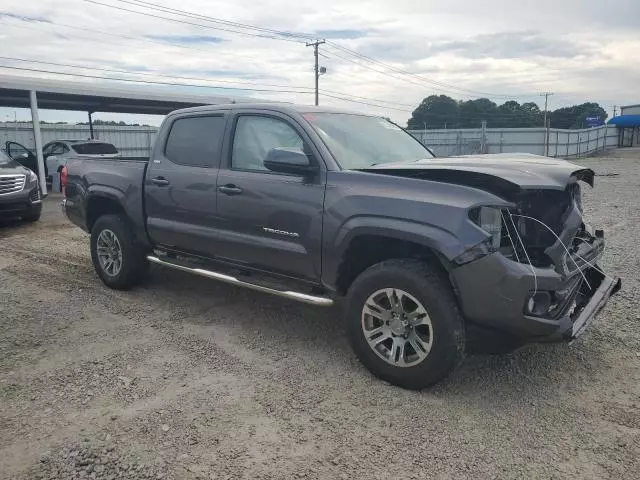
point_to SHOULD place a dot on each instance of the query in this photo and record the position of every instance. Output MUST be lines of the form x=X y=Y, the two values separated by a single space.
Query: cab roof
x=287 y=108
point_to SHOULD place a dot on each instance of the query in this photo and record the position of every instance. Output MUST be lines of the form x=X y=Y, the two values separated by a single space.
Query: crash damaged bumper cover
x=494 y=292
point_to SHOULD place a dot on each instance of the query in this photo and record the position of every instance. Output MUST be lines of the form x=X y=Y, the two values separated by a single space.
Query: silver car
x=57 y=152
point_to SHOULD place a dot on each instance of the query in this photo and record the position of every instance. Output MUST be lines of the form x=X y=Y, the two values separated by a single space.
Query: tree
x=473 y=112
x=434 y=111
x=574 y=117
x=438 y=111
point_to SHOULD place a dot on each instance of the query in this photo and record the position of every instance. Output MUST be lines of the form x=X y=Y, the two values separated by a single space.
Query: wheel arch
x=364 y=245
x=103 y=201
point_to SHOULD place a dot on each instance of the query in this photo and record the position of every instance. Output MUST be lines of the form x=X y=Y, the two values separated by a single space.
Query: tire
x=441 y=334
x=133 y=265
x=32 y=218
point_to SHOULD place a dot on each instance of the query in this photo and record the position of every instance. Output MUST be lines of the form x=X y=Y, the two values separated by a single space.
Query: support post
x=546 y=140
x=35 y=119
x=483 y=140
x=90 y=126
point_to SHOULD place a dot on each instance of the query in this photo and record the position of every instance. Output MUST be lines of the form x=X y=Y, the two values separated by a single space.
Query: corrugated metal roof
x=625 y=121
x=102 y=97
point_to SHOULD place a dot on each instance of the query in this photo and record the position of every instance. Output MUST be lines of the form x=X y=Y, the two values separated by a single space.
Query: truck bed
x=117 y=179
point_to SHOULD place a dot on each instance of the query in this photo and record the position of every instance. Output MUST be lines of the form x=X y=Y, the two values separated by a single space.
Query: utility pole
x=614 y=110
x=546 y=101
x=316 y=68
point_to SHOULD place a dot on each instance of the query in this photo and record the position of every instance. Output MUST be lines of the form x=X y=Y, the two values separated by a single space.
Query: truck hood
x=502 y=174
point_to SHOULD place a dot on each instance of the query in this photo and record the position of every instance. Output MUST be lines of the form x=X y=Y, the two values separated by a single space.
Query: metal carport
x=36 y=93
x=628 y=128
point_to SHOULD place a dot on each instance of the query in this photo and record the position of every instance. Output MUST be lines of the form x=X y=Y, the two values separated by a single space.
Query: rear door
x=270 y=221
x=180 y=186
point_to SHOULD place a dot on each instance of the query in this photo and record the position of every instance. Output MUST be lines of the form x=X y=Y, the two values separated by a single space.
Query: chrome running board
x=300 y=297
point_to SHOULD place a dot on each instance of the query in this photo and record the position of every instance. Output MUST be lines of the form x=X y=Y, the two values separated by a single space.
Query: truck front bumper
x=496 y=293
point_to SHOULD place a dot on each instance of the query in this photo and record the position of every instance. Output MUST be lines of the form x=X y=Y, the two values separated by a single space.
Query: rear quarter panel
x=115 y=179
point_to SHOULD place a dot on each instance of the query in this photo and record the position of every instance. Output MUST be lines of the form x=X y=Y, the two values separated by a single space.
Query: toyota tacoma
x=428 y=258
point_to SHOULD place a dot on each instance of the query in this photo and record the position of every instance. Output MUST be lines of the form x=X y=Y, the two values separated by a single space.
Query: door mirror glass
x=288 y=160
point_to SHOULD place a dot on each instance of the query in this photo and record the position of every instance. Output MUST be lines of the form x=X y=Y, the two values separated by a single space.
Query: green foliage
x=574 y=117
x=440 y=111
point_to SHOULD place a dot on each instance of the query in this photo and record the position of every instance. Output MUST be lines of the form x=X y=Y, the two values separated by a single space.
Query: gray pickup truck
x=429 y=258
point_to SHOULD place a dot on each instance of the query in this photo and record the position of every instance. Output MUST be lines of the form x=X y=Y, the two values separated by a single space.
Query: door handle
x=230 y=189
x=160 y=181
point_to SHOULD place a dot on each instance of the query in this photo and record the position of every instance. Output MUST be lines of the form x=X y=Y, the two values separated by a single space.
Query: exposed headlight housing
x=489 y=219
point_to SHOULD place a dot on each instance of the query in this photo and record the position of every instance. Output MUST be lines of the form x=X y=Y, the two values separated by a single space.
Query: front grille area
x=34 y=196
x=11 y=183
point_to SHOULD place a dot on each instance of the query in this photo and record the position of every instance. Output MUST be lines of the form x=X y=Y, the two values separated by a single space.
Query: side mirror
x=289 y=160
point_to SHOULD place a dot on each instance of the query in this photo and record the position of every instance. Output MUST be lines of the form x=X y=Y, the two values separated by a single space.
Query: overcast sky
x=582 y=50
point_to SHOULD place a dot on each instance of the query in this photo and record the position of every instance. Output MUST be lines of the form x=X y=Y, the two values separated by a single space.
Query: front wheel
x=404 y=323
x=118 y=259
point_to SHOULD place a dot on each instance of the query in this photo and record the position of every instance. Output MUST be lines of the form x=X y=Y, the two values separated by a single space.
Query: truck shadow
x=316 y=336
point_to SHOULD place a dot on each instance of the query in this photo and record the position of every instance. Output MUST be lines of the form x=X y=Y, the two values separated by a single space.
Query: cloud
x=24 y=18
x=341 y=33
x=187 y=39
x=521 y=44
x=457 y=47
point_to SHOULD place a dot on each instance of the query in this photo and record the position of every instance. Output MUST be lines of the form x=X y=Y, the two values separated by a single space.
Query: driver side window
x=58 y=149
x=17 y=151
x=255 y=136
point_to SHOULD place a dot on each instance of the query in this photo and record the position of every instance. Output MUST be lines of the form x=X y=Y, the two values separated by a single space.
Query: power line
x=128 y=37
x=363 y=103
x=414 y=75
x=330 y=93
x=190 y=23
x=404 y=78
x=245 y=26
x=157 y=74
x=287 y=36
x=147 y=82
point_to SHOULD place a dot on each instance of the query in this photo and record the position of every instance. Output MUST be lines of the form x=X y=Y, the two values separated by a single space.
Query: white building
x=630 y=110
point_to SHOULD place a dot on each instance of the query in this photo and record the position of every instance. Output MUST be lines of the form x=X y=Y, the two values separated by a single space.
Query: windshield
x=94 y=149
x=359 y=141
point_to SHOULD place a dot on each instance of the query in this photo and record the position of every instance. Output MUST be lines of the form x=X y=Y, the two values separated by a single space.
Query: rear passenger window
x=195 y=141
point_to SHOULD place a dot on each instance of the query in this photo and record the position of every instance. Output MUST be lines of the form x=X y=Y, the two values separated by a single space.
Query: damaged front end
x=538 y=265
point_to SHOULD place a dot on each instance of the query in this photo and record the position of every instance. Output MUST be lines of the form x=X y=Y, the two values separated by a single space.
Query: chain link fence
x=136 y=142
x=539 y=141
x=131 y=141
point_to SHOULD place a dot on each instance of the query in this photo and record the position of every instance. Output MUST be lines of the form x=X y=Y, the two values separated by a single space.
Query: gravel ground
x=187 y=378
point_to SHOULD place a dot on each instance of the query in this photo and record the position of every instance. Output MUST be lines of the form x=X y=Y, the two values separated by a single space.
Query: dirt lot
x=186 y=378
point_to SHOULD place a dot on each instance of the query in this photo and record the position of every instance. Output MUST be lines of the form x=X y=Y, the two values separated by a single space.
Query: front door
x=268 y=220
x=180 y=186
x=22 y=155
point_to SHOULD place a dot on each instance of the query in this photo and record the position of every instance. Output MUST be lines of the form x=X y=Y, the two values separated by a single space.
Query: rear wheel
x=404 y=323
x=118 y=259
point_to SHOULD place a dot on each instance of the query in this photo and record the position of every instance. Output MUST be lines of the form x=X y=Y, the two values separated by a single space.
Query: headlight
x=489 y=219
x=32 y=176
